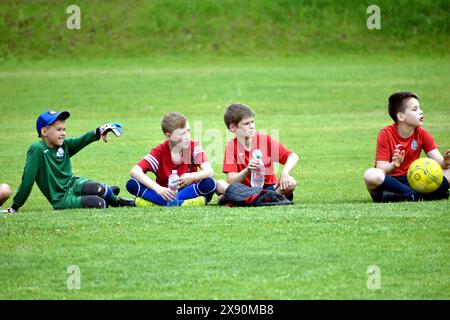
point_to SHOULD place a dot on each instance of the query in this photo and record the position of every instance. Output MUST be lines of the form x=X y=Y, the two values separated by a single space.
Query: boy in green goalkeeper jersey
x=48 y=164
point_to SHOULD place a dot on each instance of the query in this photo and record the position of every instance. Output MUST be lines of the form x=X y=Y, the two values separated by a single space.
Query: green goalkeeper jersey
x=50 y=168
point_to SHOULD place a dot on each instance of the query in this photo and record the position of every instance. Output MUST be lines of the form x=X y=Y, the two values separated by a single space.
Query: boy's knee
x=374 y=177
x=207 y=185
x=5 y=193
x=92 y=201
x=93 y=188
x=447 y=174
x=292 y=183
x=221 y=187
x=289 y=190
x=133 y=187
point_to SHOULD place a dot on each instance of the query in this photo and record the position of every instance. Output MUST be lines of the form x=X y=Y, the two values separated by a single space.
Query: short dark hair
x=397 y=102
x=235 y=113
x=172 y=121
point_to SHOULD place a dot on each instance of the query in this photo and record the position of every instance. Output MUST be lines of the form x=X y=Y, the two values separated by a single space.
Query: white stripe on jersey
x=197 y=150
x=156 y=161
x=152 y=161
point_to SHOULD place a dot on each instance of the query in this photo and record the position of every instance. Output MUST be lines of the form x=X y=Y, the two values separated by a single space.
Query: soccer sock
x=109 y=195
x=393 y=185
x=445 y=185
x=139 y=190
x=205 y=187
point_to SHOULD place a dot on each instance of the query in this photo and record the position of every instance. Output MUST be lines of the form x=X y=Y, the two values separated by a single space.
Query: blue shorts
x=435 y=195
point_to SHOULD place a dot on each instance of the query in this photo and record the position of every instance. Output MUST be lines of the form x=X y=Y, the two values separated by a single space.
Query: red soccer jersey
x=237 y=158
x=389 y=139
x=159 y=161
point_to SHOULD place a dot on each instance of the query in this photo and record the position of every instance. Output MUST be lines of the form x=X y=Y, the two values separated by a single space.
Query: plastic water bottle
x=173 y=186
x=257 y=177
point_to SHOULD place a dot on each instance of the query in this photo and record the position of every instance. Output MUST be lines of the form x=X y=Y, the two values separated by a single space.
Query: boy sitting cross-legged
x=239 y=162
x=398 y=145
x=178 y=153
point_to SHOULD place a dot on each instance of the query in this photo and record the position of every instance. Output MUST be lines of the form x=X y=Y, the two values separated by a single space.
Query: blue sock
x=109 y=196
x=393 y=185
x=139 y=190
x=205 y=187
x=108 y=192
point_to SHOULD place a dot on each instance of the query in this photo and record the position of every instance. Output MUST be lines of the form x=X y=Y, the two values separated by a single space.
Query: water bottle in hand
x=174 y=187
x=257 y=177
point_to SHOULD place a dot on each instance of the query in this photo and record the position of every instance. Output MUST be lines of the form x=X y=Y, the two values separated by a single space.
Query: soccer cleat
x=124 y=202
x=142 y=203
x=115 y=190
x=195 y=202
x=392 y=197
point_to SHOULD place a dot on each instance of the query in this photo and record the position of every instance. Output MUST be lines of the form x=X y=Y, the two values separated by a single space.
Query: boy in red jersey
x=400 y=144
x=178 y=153
x=239 y=163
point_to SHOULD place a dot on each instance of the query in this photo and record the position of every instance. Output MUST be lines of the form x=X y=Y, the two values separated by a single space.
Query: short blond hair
x=172 y=121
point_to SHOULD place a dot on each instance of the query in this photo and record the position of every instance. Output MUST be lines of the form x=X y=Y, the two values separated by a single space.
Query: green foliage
x=37 y=29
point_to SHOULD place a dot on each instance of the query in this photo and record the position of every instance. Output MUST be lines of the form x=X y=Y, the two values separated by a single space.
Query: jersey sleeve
x=229 y=161
x=428 y=142
x=383 y=153
x=151 y=161
x=279 y=153
x=29 y=175
x=198 y=154
x=76 y=144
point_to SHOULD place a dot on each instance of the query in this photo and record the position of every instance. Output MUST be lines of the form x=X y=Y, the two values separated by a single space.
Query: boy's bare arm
x=233 y=177
x=189 y=177
x=397 y=160
x=291 y=162
x=444 y=161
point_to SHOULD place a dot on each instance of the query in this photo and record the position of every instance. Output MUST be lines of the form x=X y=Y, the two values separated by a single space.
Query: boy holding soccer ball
x=48 y=164
x=178 y=153
x=398 y=145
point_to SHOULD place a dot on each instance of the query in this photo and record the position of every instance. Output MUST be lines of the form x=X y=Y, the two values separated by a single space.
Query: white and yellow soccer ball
x=425 y=175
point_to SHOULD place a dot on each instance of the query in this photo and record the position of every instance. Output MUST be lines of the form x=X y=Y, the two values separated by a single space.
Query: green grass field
x=326 y=108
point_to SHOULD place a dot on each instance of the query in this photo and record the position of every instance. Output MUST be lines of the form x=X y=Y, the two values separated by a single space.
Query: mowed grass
x=327 y=109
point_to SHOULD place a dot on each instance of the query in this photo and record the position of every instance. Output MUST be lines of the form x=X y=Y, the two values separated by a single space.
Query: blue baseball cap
x=47 y=118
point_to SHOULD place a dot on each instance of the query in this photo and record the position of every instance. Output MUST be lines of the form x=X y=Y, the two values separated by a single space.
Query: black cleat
x=115 y=190
x=392 y=197
x=123 y=202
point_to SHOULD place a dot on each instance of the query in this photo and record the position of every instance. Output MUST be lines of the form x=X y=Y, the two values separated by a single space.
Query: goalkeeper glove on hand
x=114 y=127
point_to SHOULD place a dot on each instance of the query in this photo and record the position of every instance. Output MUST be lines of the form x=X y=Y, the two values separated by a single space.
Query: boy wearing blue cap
x=48 y=163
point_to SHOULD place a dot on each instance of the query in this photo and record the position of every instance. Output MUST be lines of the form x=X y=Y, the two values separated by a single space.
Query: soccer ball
x=425 y=175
